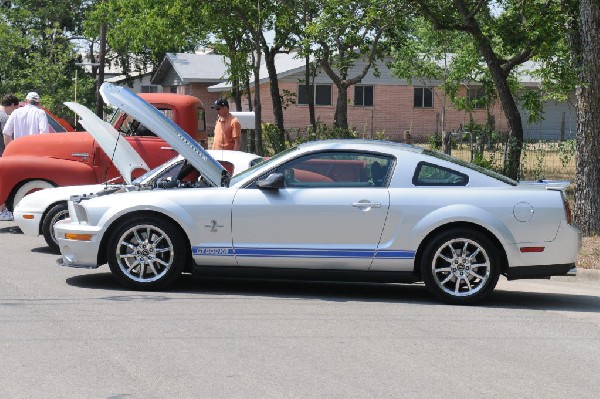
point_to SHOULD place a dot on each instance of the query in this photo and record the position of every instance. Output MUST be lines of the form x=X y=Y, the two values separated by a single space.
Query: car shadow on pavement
x=285 y=289
x=544 y=301
x=10 y=230
x=331 y=292
x=44 y=250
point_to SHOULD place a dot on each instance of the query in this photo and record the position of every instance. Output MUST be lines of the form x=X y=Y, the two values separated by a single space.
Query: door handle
x=80 y=154
x=366 y=204
x=167 y=148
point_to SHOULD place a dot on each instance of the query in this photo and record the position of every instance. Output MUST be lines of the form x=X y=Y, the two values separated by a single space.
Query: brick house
x=379 y=104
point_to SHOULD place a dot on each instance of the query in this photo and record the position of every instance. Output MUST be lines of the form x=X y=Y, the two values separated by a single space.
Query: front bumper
x=31 y=225
x=78 y=253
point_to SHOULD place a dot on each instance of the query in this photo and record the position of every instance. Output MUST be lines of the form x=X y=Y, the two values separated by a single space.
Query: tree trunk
x=275 y=95
x=101 y=56
x=512 y=159
x=257 y=104
x=310 y=94
x=341 y=109
x=587 y=179
x=446 y=142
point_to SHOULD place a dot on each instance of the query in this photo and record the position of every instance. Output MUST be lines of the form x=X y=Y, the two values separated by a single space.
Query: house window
x=150 y=89
x=322 y=94
x=423 y=97
x=476 y=96
x=363 y=96
x=173 y=89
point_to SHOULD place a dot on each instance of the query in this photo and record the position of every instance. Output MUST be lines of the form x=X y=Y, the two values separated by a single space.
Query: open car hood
x=123 y=156
x=163 y=127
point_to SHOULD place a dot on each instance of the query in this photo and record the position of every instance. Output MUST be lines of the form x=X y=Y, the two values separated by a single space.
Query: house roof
x=285 y=64
x=211 y=68
x=120 y=78
x=204 y=68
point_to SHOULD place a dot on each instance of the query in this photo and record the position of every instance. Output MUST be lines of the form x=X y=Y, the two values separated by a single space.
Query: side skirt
x=305 y=274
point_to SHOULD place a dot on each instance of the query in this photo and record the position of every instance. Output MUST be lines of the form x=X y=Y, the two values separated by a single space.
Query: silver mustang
x=343 y=209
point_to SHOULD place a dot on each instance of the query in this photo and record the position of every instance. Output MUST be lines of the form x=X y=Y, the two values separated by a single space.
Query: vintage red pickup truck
x=74 y=158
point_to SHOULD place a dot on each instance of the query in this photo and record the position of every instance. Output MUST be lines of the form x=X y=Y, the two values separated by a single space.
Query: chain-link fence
x=540 y=159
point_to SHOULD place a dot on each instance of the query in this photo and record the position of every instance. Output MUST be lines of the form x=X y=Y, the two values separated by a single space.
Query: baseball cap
x=33 y=96
x=221 y=102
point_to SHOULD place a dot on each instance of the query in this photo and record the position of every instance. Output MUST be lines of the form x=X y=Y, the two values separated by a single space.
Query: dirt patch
x=589 y=256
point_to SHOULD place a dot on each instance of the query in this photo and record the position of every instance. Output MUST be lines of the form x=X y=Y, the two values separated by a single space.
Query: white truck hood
x=163 y=127
x=123 y=156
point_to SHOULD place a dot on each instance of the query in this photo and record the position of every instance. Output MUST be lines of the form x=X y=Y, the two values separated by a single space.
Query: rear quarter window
x=429 y=174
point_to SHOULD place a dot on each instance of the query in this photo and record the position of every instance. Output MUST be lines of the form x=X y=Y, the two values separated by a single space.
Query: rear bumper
x=545 y=271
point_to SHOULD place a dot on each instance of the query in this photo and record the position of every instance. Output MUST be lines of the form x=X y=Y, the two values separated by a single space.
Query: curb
x=582 y=275
x=588 y=274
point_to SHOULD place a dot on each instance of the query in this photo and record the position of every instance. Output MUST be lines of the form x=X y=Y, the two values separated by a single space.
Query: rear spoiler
x=560 y=185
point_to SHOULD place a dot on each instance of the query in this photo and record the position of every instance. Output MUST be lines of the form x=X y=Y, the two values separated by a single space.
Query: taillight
x=567 y=207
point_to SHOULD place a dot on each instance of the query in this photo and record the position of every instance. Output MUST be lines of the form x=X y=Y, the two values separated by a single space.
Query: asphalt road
x=67 y=333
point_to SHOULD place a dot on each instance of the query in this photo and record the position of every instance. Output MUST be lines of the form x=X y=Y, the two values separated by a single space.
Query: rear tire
x=58 y=212
x=147 y=253
x=460 y=266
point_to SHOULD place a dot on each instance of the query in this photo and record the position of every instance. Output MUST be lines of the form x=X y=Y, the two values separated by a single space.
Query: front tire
x=147 y=253
x=460 y=266
x=58 y=212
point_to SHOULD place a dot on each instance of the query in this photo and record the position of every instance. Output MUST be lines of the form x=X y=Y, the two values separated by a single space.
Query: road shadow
x=544 y=301
x=331 y=292
x=10 y=230
x=283 y=289
x=44 y=250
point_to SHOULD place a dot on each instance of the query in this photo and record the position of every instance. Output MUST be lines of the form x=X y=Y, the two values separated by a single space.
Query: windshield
x=472 y=166
x=242 y=175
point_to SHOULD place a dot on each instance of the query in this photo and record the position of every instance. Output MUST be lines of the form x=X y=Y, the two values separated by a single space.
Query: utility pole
x=101 y=60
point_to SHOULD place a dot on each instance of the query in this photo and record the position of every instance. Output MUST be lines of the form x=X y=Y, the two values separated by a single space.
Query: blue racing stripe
x=301 y=253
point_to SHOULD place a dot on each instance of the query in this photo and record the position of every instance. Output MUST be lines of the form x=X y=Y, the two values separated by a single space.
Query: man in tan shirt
x=228 y=131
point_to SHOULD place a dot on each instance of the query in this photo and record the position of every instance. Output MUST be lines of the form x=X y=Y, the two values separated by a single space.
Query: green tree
x=39 y=48
x=347 y=33
x=506 y=34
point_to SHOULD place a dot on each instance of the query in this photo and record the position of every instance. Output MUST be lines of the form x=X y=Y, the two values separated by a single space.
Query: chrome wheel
x=144 y=253
x=461 y=267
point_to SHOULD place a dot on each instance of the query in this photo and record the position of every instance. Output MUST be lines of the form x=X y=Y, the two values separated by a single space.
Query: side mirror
x=274 y=181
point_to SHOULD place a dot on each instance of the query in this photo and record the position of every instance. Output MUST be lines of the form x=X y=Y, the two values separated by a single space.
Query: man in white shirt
x=24 y=121
x=27 y=120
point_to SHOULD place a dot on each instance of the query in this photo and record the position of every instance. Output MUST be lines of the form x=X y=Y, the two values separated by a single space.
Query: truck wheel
x=28 y=188
x=147 y=253
x=460 y=266
x=58 y=212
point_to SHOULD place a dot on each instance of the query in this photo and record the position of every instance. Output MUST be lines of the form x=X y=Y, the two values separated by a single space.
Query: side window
x=428 y=174
x=338 y=169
